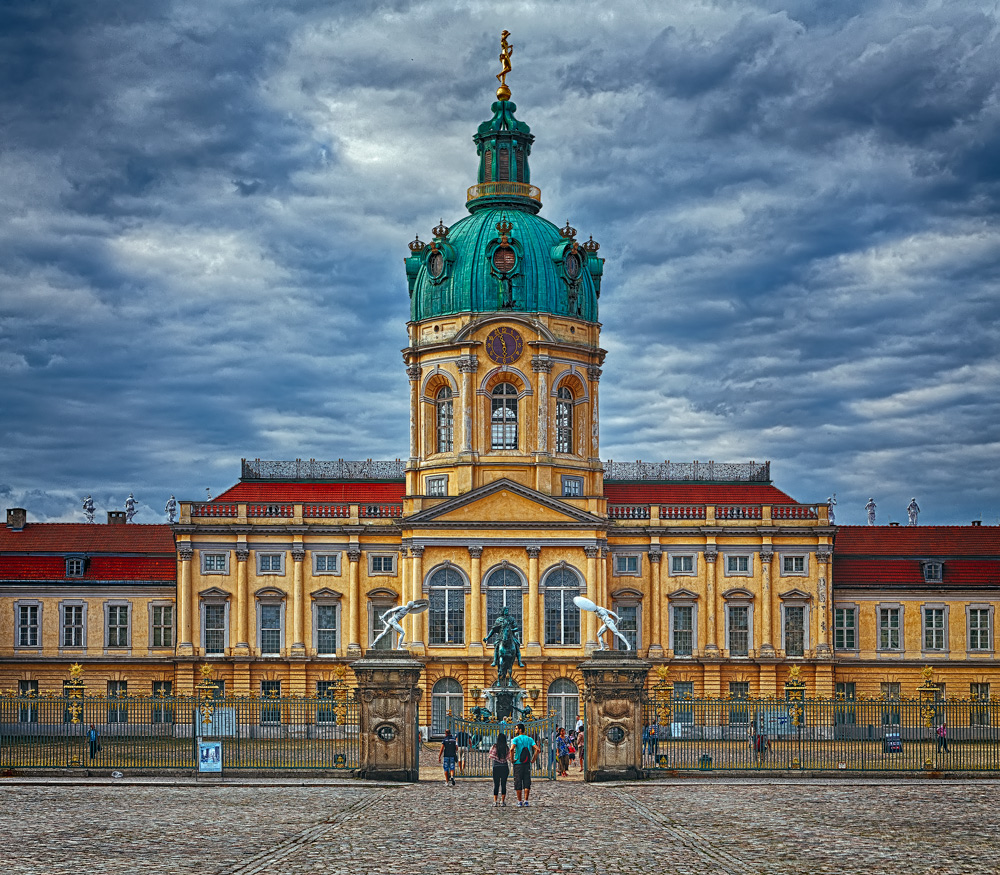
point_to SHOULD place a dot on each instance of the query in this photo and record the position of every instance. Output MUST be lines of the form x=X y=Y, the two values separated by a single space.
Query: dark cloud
x=208 y=206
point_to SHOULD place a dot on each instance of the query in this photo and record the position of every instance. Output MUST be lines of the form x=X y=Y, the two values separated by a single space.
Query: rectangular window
x=890 y=712
x=382 y=563
x=737 y=564
x=270 y=563
x=979 y=713
x=117 y=706
x=326 y=563
x=270 y=630
x=683 y=691
x=27 y=710
x=628 y=625
x=74 y=567
x=739 y=630
x=214 y=563
x=844 y=692
x=215 y=629
x=845 y=633
x=888 y=629
x=117 y=625
x=163 y=625
x=626 y=564
x=27 y=625
x=326 y=711
x=270 y=707
x=932 y=571
x=72 y=628
x=795 y=630
x=326 y=630
x=979 y=629
x=162 y=711
x=437 y=487
x=683 y=629
x=793 y=564
x=572 y=487
x=934 y=637
x=682 y=564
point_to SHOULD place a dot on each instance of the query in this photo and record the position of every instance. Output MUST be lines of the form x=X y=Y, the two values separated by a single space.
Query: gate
x=481 y=736
x=282 y=734
x=873 y=735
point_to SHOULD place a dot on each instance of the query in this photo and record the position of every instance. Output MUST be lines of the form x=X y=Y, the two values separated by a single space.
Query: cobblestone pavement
x=695 y=826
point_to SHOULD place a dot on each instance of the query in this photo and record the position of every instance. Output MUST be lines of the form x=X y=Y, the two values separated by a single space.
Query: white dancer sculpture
x=832 y=501
x=88 y=508
x=912 y=509
x=609 y=621
x=390 y=621
x=170 y=509
x=130 y=507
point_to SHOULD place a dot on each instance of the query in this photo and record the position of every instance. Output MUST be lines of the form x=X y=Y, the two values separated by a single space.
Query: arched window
x=562 y=617
x=446 y=617
x=564 y=702
x=445 y=420
x=504 y=417
x=564 y=421
x=503 y=590
x=446 y=695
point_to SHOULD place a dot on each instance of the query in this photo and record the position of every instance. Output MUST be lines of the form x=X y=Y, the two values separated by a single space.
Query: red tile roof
x=87 y=538
x=305 y=492
x=918 y=541
x=878 y=573
x=138 y=568
x=695 y=493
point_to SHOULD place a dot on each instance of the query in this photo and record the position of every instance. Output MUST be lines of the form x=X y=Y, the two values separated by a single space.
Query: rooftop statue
x=870 y=507
x=912 y=509
x=506 y=50
x=130 y=507
x=88 y=508
x=170 y=509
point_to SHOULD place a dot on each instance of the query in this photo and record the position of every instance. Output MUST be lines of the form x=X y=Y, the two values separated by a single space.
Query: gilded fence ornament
x=506 y=50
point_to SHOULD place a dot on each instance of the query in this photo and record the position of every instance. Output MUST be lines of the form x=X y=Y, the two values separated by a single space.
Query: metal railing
x=156 y=733
x=481 y=735
x=875 y=735
x=503 y=189
x=312 y=469
x=754 y=472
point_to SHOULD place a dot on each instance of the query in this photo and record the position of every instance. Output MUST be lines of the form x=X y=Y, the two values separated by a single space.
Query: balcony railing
x=312 y=469
x=795 y=512
x=682 y=511
x=738 y=512
x=628 y=511
x=753 y=472
x=381 y=511
x=215 y=510
x=504 y=189
x=270 y=510
x=326 y=511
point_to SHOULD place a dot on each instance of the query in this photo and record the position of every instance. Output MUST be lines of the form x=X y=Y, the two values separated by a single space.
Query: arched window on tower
x=445 y=420
x=564 y=421
x=503 y=590
x=503 y=418
x=446 y=615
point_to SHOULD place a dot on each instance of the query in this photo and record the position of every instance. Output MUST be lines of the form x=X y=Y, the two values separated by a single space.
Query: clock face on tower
x=504 y=345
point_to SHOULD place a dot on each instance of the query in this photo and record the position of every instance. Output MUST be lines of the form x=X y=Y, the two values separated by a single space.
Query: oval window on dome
x=503 y=259
x=571 y=264
x=435 y=264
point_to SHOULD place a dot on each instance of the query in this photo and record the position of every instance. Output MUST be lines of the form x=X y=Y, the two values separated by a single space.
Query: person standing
x=942 y=737
x=446 y=756
x=562 y=752
x=92 y=740
x=498 y=760
x=523 y=752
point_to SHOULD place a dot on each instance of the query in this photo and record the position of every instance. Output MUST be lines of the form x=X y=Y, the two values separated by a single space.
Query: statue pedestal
x=501 y=701
x=387 y=697
x=614 y=693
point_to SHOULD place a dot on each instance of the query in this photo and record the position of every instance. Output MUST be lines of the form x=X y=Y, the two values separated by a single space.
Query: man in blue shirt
x=524 y=751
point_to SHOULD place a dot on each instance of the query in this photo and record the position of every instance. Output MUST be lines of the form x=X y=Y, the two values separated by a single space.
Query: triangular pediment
x=794 y=595
x=507 y=503
x=682 y=594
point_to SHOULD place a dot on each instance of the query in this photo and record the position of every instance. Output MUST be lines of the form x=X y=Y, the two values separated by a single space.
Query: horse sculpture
x=507 y=648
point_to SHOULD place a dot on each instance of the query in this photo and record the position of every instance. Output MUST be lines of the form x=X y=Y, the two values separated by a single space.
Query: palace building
x=503 y=502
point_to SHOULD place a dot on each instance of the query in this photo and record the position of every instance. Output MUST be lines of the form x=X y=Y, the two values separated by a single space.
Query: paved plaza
x=353 y=828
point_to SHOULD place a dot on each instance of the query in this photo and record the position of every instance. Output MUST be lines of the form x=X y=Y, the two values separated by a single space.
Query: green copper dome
x=504 y=257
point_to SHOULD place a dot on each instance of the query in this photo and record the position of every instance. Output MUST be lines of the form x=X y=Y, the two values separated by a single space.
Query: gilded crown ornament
x=506 y=50
x=417 y=245
x=504 y=227
x=441 y=231
x=591 y=245
x=567 y=233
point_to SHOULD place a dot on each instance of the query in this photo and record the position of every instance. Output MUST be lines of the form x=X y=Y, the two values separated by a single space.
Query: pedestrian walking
x=562 y=752
x=446 y=756
x=462 y=740
x=498 y=760
x=92 y=740
x=524 y=751
x=942 y=737
x=579 y=746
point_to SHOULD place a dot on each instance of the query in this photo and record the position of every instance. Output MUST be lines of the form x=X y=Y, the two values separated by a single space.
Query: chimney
x=116 y=517
x=974 y=522
x=891 y=524
x=16 y=518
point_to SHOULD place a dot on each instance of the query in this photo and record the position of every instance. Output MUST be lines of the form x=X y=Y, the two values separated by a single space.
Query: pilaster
x=185 y=552
x=298 y=648
x=533 y=646
x=655 y=603
x=354 y=606
x=476 y=601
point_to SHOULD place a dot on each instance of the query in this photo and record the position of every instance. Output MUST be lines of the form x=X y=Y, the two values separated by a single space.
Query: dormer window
x=932 y=571
x=75 y=566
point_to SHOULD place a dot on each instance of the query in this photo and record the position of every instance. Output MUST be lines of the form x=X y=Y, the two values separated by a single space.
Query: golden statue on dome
x=506 y=50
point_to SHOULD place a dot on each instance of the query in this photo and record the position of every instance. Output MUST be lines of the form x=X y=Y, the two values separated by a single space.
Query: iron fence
x=314 y=469
x=756 y=472
x=874 y=735
x=479 y=736
x=160 y=733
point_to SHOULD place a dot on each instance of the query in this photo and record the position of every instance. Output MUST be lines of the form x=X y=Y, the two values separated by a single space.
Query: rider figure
x=499 y=628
